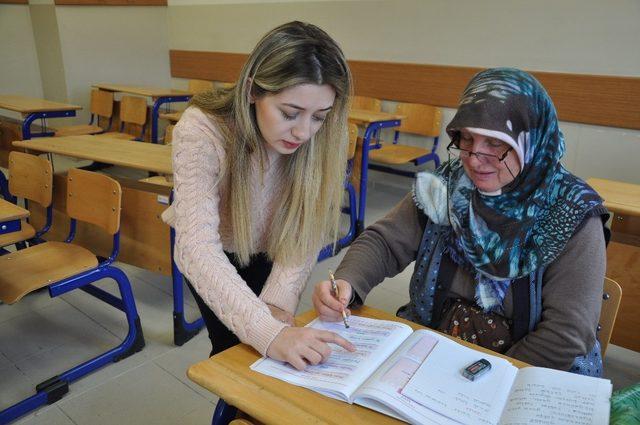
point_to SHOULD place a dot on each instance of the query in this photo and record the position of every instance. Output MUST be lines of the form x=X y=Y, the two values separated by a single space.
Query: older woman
x=509 y=246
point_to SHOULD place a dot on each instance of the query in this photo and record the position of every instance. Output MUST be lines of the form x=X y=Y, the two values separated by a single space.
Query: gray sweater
x=571 y=293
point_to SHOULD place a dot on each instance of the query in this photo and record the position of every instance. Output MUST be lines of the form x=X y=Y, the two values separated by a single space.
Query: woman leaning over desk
x=509 y=246
x=258 y=179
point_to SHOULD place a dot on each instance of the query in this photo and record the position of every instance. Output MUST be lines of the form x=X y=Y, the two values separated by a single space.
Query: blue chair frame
x=55 y=388
x=431 y=156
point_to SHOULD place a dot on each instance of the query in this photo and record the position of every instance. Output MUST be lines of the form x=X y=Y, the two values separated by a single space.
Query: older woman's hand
x=327 y=306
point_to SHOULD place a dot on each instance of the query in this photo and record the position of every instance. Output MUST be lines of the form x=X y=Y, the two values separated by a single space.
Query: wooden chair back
x=168 y=134
x=224 y=85
x=102 y=103
x=133 y=110
x=94 y=198
x=30 y=177
x=611 y=296
x=420 y=119
x=366 y=103
x=353 y=139
x=198 y=86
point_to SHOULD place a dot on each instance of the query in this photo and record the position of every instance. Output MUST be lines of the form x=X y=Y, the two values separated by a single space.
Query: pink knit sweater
x=203 y=230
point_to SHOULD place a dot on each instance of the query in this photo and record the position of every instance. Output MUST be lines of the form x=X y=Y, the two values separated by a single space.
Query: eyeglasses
x=485 y=158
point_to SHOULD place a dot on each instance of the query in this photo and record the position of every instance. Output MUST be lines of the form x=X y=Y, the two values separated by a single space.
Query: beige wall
x=581 y=36
x=126 y=45
x=19 y=69
x=575 y=36
x=130 y=45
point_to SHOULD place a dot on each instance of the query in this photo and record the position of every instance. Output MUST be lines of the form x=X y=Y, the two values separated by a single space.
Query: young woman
x=509 y=246
x=258 y=180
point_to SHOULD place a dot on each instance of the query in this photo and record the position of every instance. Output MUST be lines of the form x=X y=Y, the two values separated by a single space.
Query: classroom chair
x=199 y=86
x=161 y=180
x=30 y=178
x=611 y=297
x=133 y=119
x=421 y=120
x=62 y=267
x=331 y=250
x=366 y=103
x=101 y=107
x=168 y=134
x=224 y=85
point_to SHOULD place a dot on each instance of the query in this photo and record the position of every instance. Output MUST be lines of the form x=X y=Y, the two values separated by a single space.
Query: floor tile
x=200 y=416
x=15 y=386
x=30 y=303
x=31 y=334
x=50 y=415
x=145 y=395
x=177 y=361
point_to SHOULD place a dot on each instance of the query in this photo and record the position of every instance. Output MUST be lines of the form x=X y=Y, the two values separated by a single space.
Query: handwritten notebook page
x=439 y=385
x=344 y=371
x=547 y=397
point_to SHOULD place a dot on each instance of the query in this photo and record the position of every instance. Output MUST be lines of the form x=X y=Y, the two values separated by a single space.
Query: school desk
x=146 y=241
x=272 y=401
x=11 y=216
x=33 y=109
x=131 y=154
x=159 y=96
x=623 y=255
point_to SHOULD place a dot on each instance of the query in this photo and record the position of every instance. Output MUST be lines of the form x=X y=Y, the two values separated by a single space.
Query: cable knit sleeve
x=285 y=284
x=199 y=253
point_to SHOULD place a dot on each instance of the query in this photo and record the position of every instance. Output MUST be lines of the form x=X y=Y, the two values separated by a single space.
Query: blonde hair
x=291 y=54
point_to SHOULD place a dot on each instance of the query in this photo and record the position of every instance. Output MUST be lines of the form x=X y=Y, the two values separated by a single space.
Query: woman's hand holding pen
x=327 y=306
x=305 y=346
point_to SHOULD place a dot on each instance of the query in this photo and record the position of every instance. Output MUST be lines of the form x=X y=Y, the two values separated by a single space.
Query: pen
x=336 y=291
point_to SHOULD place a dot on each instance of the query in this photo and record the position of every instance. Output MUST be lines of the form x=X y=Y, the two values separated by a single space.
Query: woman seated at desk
x=258 y=174
x=509 y=246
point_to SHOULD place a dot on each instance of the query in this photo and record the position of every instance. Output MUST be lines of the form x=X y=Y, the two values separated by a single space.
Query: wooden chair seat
x=116 y=135
x=159 y=180
x=397 y=154
x=611 y=297
x=79 y=130
x=26 y=232
x=41 y=265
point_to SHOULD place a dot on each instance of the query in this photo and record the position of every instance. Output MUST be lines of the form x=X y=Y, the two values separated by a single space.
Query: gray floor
x=40 y=337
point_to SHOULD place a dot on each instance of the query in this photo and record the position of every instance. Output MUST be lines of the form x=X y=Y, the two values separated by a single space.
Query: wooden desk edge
x=12 y=211
x=26 y=144
x=265 y=408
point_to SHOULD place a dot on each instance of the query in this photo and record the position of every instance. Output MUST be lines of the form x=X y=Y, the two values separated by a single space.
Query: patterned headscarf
x=526 y=226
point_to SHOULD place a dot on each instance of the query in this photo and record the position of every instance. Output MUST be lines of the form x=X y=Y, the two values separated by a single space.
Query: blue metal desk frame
x=155 y=112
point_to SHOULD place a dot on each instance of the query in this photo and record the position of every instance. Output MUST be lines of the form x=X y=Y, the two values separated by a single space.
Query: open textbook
x=416 y=377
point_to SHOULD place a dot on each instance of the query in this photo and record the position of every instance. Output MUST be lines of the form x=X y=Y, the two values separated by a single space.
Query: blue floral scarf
x=524 y=228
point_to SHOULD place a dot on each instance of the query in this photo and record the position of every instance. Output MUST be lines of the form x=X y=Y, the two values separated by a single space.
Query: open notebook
x=416 y=377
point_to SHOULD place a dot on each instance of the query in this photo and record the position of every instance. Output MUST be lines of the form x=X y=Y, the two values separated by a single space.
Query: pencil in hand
x=336 y=291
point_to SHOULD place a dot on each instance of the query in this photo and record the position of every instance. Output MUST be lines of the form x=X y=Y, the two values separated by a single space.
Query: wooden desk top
x=139 y=155
x=362 y=116
x=270 y=400
x=619 y=197
x=28 y=105
x=9 y=211
x=142 y=90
